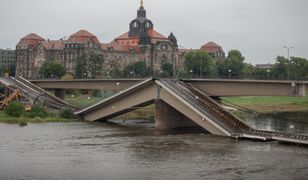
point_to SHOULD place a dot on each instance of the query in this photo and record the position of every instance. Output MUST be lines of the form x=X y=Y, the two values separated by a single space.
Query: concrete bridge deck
x=214 y=87
x=180 y=104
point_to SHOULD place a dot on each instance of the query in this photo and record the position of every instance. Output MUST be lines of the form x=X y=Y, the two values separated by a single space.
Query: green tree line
x=197 y=64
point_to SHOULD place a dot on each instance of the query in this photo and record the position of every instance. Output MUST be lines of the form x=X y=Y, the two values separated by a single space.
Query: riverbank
x=269 y=104
x=4 y=118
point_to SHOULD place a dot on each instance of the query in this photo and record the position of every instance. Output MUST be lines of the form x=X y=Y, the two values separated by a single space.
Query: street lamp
x=288 y=49
x=201 y=64
x=133 y=60
x=230 y=71
x=191 y=72
x=268 y=74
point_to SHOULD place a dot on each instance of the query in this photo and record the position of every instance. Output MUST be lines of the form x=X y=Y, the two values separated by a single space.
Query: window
x=135 y=24
x=148 y=25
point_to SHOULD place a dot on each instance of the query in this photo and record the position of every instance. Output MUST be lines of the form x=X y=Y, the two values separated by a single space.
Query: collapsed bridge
x=181 y=104
x=34 y=94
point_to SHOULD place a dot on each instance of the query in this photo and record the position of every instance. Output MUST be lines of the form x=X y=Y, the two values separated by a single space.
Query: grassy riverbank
x=82 y=100
x=4 y=118
x=270 y=104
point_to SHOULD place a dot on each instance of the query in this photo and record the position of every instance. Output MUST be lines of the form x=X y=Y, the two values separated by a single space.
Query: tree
x=94 y=65
x=248 y=71
x=298 y=68
x=233 y=64
x=198 y=64
x=166 y=70
x=52 y=69
x=137 y=69
x=281 y=68
x=80 y=67
x=114 y=70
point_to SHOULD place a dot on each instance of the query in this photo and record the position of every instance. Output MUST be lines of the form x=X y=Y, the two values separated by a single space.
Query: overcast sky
x=258 y=28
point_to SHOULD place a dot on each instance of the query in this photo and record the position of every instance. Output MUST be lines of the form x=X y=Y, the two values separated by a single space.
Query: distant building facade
x=265 y=66
x=214 y=50
x=140 y=43
x=7 y=61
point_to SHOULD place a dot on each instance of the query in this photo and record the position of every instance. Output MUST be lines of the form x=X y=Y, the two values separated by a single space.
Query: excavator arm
x=15 y=95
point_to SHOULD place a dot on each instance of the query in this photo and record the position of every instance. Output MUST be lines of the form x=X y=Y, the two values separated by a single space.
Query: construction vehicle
x=15 y=95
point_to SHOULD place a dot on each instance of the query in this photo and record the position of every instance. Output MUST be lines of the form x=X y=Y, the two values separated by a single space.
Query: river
x=135 y=150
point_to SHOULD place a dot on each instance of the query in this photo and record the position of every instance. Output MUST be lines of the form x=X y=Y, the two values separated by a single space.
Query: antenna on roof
x=141 y=3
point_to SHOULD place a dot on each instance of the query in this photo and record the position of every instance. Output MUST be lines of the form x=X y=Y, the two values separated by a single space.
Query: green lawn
x=9 y=119
x=267 y=104
x=82 y=100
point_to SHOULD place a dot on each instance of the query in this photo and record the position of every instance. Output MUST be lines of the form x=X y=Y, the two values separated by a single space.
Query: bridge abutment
x=166 y=117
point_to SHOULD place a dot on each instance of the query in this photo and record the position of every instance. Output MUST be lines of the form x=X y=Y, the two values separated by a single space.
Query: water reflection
x=292 y=122
x=135 y=150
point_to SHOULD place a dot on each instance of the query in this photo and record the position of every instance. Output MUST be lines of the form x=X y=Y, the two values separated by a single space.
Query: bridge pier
x=301 y=90
x=60 y=93
x=166 y=117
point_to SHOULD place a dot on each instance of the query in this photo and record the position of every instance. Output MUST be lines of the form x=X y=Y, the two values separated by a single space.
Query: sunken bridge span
x=181 y=104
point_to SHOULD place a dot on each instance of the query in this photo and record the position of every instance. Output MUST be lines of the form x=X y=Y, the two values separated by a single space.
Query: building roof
x=82 y=36
x=118 y=47
x=30 y=39
x=211 y=47
x=155 y=36
x=53 y=45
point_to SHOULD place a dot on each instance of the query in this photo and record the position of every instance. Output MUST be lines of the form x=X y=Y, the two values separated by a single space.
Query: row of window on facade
x=8 y=52
x=78 y=45
x=9 y=57
x=5 y=61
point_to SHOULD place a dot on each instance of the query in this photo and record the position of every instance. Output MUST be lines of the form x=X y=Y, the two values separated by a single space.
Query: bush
x=67 y=114
x=37 y=111
x=96 y=93
x=15 y=109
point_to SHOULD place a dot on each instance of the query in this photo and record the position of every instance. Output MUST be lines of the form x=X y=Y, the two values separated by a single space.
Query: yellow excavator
x=15 y=95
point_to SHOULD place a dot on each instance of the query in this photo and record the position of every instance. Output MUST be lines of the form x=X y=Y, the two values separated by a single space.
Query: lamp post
x=201 y=64
x=191 y=73
x=230 y=71
x=288 y=66
x=268 y=74
x=133 y=60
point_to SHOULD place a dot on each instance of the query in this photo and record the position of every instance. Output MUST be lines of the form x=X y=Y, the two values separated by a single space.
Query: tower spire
x=141 y=3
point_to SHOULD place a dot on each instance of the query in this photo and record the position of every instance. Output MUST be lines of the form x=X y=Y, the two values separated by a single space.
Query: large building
x=141 y=43
x=7 y=61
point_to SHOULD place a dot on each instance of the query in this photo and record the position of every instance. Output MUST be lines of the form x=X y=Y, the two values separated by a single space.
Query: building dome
x=82 y=36
x=141 y=24
x=31 y=39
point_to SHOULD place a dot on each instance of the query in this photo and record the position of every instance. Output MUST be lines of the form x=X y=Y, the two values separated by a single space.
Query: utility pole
x=288 y=49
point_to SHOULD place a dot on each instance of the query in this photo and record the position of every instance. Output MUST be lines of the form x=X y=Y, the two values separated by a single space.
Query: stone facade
x=7 y=60
x=140 y=43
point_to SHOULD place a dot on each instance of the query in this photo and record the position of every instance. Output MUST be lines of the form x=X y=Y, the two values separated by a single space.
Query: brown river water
x=135 y=150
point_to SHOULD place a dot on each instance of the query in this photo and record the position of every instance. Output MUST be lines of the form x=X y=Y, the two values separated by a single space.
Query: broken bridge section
x=176 y=107
x=180 y=104
x=34 y=93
